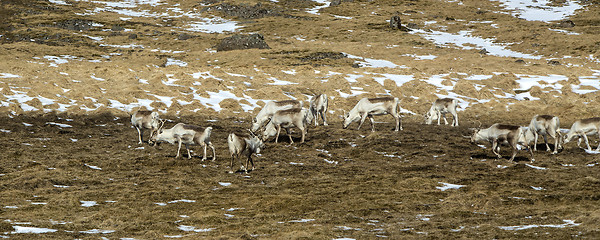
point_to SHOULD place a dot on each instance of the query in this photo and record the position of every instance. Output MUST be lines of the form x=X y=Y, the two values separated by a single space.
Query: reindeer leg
x=587 y=143
x=251 y=161
x=304 y=134
x=372 y=123
x=278 y=130
x=213 y=151
x=287 y=131
x=545 y=136
x=535 y=139
x=231 y=165
x=179 y=147
x=496 y=148
x=187 y=147
x=362 y=120
x=455 y=118
x=324 y=117
x=204 y=156
x=139 y=135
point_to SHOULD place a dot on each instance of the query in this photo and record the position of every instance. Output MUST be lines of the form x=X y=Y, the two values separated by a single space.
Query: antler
x=251 y=133
x=480 y=124
x=162 y=123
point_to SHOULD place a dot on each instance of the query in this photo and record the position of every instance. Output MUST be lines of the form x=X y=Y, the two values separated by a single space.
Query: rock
x=395 y=22
x=184 y=36
x=412 y=26
x=553 y=62
x=520 y=61
x=133 y=36
x=335 y=3
x=484 y=51
x=238 y=41
x=117 y=28
x=566 y=24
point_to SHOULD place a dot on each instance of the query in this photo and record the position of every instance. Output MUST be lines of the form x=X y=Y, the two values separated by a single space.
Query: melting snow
x=88 y=203
x=449 y=186
x=567 y=223
x=465 y=40
x=224 y=184
x=34 y=230
x=193 y=229
x=540 y=10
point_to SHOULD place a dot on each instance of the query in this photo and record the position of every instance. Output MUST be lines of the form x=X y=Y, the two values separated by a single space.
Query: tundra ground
x=90 y=178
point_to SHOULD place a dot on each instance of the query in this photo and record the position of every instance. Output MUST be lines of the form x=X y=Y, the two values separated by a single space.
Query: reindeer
x=498 y=134
x=318 y=106
x=143 y=119
x=369 y=107
x=581 y=128
x=188 y=135
x=439 y=109
x=248 y=146
x=269 y=109
x=545 y=125
x=294 y=117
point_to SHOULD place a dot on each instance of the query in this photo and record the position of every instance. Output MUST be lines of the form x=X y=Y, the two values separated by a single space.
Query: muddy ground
x=340 y=183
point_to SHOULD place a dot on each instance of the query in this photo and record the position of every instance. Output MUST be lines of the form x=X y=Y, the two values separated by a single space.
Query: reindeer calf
x=188 y=135
x=502 y=134
x=582 y=128
x=318 y=106
x=143 y=119
x=247 y=146
x=439 y=109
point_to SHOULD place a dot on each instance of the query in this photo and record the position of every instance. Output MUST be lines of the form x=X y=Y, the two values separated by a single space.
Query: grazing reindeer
x=247 y=146
x=188 y=135
x=143 y=119
x=295 y=117
x=269 y=109
x=439 y=109
x=318 y=106
x=545 y=125
x=502 y=134
x=369 y=107
x=582 y=128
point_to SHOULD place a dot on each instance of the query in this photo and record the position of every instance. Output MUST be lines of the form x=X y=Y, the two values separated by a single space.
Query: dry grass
x=381 y=184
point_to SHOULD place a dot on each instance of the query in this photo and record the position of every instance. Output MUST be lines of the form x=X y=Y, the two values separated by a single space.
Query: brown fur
x=381 y=99
x=445 y=101
x=545 y=117
x=193 y=127
x=289 y=111
x=286 y=102
x=508 y=127
x=590 y=120
x=143 y=113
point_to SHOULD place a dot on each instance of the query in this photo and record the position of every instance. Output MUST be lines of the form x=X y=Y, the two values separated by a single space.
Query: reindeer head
x=154 y=137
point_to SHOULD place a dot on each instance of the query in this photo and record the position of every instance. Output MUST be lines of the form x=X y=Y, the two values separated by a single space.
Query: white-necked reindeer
x=239 y=146
x=269 y=109
x=318 y=107
x=295 y=117
x=143 y=119
x=188 y=135
x=369 y=107
x=498 y=134
x=581 y=128
x=438 y=110
x=545 y=125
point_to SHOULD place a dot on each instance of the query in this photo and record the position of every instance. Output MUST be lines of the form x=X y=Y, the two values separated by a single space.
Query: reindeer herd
x=290 y=114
